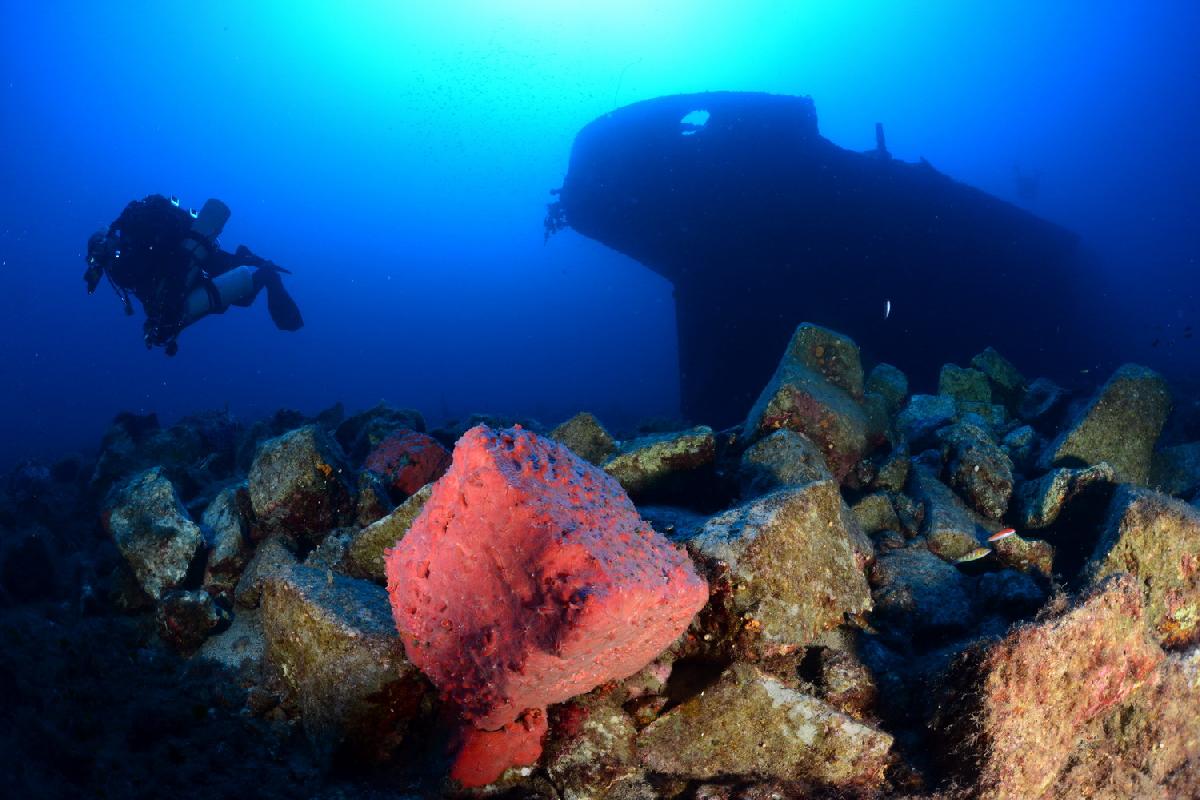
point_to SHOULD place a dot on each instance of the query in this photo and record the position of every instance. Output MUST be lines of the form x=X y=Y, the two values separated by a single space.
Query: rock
x=1019 y=444
x=226 y=533
x=586 y=437
x=919 y=596
x=950 y=529
x=910 y=513
x=365 y=553
x=1009 y=593
x=677 y=524
x=889 y=383
x=27 y=566
x=1043 y=404
x=923 y=415
x=330 y=554
x=1156 y=539
x=792 y=566
x=1176 y=470
x=297 y=484
x=150 y=527
x=875 y=513
x=785 y=458
x=528 y=578
x=1006 y=382
x=1119 y=425
x=240 y=647
x=408 y=460
x=1025 y=555
x=750 y=724
x=186 y=618
x=362 y=432
x=658 y=464
x=964 y=384
x=843 y=681
x=374 y=502
x=809 y=394
x=273 y=557
x=1146 y=747
x=893 y=470
x=978 y=469
x=332 y=640
x=593 y=747
x=1039 y=503
x=1018 y=710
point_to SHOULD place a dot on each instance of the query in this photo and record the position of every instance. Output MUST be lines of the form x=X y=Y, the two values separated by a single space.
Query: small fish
x=1004 y=534
x=887 y=308
x=976 y=554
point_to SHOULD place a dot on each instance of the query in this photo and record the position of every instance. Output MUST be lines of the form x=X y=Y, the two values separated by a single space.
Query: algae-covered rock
x=813 y=399
x=334 y=643
x=366 y=548
x=592 y=751
x=153 y=531
x=785 y=458
x=1176 y=470
x=659 y=462
x=893 y=470
x=226 y=529
x=298 y=484
x=1006 y=382
x=963 y=384
x=792 y=562
x=186 y=618
x=1018 y=710
x=1025 y=555
x=1120 y=425
x=1019 y=444
x=373 y=501
x=586 y=437
x=272 y=557
x=889 y=383
x=1040 y=502
x=875 y=513
x=1156 y=539
x=978 y=468
x=950 y=529
x=752 y=725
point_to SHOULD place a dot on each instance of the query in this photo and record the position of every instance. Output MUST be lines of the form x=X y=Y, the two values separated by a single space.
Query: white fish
x=887 y=308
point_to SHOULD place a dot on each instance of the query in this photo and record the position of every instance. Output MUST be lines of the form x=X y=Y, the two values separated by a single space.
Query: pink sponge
x=529 y=578
x=408 y=460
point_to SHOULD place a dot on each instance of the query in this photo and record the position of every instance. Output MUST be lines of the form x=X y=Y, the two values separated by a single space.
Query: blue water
x=397 y=158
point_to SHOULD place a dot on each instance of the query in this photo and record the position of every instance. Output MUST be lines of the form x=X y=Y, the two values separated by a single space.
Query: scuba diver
x=169 y=259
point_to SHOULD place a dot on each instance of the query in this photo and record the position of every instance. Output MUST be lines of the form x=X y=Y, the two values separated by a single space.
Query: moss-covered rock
x=951 y=530
x=366 y=548
x=794 y=561
x=660 y=463
x=752 y=725
x=272 y=557
x=1120 y=425
x=1026 y=555
x=226 y=527
x=586 y=438
x=875 y=513
x=361 y=433
x=1155 y=538
x=591 y=751
x=298 y=484
x=977 y=468
x=831 y=355
x=785 y=458
x=186 y=618
x=333 y=642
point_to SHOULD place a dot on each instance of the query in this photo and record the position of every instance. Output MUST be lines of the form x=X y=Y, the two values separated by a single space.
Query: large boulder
x=528 y=578
x=785 y=458
x=298 y=484
x=1039 y=503
x=817 y=391
x=153 y=531
x=977 y=468
x=187 y=618
x=661 y=464
x=753 y=725
x=1155 y=538
x=889 y=383
x=1018 y=710
x=365 y=552
x=408 y=460
x=951 y=530
x=586 y=437
x=794 y=562
x=332 y=641
x=1120 y=425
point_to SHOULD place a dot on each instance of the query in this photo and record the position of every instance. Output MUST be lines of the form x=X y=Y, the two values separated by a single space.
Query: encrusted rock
x=964 y=384
x=889 y=383
x=153 y=531
x=298 y=485
x=843 y=681
x=657 y=463
x=816 y=391
x=187 y=618
x=334 y=644
x=586 y=437
x=365 y=553
x=1007 y=384
x=1119 y=425
x=1019 y=444
x=1025 y=555
x=950 y=529
x=1176 y=470
x=1155 y=538
x=374 y=501
x=785 y=458
x=1039 y=503
x=362 y=432
x=272 y=557
x=923 y=415
x=792 y=565
x=919 y=595
x=408 y=460
x=892 y=473
x=875 y=513
x=1019 y=709
x=227 y=535
x=978 y=469
x=593 y=747
x=752 y=725
x=528 y=578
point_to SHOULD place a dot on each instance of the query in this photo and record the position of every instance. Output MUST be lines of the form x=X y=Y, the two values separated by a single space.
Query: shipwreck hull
x=760 y=223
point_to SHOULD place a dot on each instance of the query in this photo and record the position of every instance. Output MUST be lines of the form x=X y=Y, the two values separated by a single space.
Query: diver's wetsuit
x=155 y=252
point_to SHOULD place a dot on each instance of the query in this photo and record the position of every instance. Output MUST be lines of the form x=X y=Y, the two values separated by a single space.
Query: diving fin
x=283 y=309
